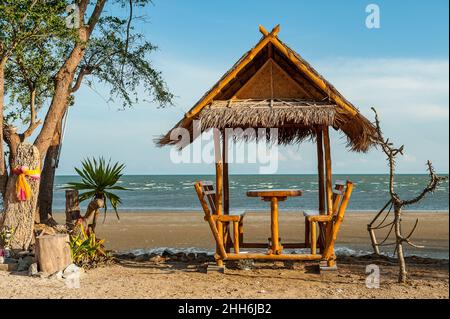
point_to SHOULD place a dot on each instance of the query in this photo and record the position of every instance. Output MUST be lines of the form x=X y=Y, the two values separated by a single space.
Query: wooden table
x=274 y=196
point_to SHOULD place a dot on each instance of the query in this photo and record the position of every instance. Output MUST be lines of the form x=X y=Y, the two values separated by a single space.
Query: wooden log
x=53 y=252
x=73 y=211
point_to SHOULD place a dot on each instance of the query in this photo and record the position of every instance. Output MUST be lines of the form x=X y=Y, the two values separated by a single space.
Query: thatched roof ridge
x=344 y=116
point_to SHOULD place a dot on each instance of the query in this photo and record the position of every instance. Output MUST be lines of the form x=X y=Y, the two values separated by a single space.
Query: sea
x=176 y=192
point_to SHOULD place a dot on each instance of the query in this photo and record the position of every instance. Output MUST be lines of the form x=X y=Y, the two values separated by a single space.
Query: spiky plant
x=98 y=181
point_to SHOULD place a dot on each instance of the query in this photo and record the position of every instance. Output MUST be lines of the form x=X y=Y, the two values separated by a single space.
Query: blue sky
x=401 y=68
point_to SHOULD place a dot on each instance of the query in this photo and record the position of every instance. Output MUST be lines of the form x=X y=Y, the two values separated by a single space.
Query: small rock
x=33 y=269
x=191 y=256
x=25 y=263
x=71 y=269
x=167 y=253
x=141 y=258
x=157 y=259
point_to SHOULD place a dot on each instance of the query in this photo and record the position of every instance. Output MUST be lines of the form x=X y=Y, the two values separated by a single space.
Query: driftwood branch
x=398 y=204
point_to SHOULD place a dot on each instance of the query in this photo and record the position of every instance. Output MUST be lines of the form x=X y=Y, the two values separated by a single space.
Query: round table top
x=274 y=193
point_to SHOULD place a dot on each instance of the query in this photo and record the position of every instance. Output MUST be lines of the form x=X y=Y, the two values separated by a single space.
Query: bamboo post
x=320 y=171
x=274 y=225
x=313 y=238
x=373 y=239
x=226 y=186
x=219 y=185
x=329 y=249
x=328 y=181
x=236 y=237
x=220 y=249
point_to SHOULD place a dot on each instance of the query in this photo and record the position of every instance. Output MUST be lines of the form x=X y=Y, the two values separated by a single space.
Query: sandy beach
x=146 y=278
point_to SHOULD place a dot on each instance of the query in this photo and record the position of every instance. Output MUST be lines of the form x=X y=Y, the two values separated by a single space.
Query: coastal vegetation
x=48 y=51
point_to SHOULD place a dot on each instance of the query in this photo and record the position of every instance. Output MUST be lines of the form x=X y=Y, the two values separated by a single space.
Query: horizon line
x=252 y=174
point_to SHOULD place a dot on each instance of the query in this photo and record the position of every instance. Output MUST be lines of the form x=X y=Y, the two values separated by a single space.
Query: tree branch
x=85 y=70
x=431 y=187
x=95 y=16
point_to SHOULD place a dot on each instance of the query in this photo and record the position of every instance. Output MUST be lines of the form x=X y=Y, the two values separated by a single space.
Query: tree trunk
x=92 y=212
x=72 y=208
x=53 y=252
x=401 y=258
x=3 y=172
x=20 y=216
x=45 y=203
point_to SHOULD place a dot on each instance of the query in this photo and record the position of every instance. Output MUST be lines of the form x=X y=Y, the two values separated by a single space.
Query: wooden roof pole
x=328 y=177
x=320 y=166
x=219 y=185
x=226 y=185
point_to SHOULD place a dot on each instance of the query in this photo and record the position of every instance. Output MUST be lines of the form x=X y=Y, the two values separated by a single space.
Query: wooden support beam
x=274 y=257
x=226 y=184
x=328 y=175
x=320 y=168
x=219 y=187
x=236 y=237
x=313 y=238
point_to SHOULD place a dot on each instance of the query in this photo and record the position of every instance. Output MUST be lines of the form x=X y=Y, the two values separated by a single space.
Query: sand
x=145 y=279
x=188 y=229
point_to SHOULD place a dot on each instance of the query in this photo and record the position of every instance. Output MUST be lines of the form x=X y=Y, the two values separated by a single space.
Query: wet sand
x=144 y=230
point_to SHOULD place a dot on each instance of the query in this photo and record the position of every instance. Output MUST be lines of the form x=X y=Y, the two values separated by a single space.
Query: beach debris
x=33 y=269
x=157 y=259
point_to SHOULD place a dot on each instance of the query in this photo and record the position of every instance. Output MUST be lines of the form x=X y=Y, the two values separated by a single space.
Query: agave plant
x=98 y=181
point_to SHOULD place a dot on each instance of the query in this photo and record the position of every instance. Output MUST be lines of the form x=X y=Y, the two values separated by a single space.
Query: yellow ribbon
x=23 y=189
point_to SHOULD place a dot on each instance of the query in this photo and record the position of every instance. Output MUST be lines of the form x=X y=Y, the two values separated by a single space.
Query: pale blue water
x=176 y=192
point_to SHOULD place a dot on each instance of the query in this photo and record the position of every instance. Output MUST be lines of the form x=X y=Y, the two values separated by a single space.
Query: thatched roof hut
x=274 y=87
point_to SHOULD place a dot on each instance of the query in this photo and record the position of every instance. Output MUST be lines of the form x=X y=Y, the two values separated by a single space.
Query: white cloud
x=411 y=88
